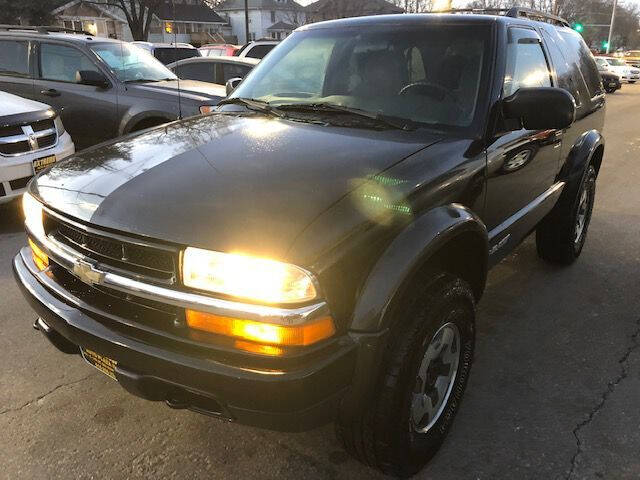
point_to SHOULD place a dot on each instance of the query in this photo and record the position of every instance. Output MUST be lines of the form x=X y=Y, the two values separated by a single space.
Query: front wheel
x=560 y=237
x=424 y=373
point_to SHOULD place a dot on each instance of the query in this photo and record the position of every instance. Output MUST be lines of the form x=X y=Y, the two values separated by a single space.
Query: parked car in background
x=169 y=52
x=314 y=250
x=32 y=137
x=220 y=50
x=213 y=69
x=257 y=49
x=103 y=88
x=619 y=67
x=632 y=58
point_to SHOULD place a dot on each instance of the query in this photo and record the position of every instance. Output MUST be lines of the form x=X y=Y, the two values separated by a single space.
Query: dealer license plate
x=105 y=364
x=40 y=164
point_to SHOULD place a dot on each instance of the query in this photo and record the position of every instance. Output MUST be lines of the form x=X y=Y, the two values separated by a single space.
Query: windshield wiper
x=252 y=104
x=325 y=107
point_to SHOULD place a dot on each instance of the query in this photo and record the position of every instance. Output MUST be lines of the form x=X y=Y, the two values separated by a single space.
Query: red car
x=220 y=50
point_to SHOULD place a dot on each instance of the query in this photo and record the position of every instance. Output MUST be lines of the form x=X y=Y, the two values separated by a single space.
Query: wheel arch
x=450 y=238
x=589 y=148
x=129 y=123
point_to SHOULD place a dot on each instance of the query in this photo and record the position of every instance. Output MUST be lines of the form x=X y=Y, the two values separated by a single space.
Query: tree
x=139 y=14
x=31 y=12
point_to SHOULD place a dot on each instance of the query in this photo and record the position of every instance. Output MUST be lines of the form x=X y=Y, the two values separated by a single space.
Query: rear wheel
x=561 y=235
x=423 y=377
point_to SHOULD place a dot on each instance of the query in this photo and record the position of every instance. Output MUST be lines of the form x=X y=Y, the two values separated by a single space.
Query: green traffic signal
x=578 y=27
x=605 y=44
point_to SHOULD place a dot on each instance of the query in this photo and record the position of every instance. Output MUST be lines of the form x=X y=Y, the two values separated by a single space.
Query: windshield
x=616 y=63
x=427 y=74
x=130 y=63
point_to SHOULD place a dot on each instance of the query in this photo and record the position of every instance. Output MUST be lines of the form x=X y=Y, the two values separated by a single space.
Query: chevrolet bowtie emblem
x=87 y=273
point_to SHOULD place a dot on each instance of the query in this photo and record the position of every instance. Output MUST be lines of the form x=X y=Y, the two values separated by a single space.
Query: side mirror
x=232 y=84
x=91 y=77
x=542 y=108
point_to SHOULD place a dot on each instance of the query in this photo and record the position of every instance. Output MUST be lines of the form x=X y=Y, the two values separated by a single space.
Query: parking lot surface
x=554 y=391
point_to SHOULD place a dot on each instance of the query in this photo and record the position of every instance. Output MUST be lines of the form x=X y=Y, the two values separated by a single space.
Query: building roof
x=282 y=26
x=260 y=5
x=189 y=13
x=354 y=7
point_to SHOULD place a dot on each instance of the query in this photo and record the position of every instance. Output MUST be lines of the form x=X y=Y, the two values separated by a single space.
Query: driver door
x=522 y=165
x=89 y=113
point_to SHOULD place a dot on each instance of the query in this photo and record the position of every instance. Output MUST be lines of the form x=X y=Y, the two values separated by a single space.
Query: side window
x=585 y=61
x=60 y=63
x=259 y=51
x=526 y=63
x=14 y=58
x=568 y=75
x=202 y=71
x=230 y=71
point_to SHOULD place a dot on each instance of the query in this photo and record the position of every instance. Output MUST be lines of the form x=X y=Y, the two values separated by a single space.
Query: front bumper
x=297 y=398
x=19 y=169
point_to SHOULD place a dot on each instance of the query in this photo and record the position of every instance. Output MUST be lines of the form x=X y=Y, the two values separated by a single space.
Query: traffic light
x=605 y=44
x=578 y=27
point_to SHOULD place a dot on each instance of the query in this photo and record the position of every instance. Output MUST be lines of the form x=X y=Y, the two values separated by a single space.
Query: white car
x=32 y=137
x=620 y=68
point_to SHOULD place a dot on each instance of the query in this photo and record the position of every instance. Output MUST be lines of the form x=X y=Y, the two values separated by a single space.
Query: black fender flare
x=406 y=254
x=580 y=155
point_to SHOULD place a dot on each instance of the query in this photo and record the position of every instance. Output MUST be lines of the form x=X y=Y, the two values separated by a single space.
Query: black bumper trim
x=294 y=400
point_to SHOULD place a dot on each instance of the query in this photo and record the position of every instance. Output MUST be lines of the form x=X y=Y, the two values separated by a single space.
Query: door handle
x=50 y=92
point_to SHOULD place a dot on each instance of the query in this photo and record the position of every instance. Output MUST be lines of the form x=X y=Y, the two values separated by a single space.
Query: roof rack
x=514 y=12
x=46 y=29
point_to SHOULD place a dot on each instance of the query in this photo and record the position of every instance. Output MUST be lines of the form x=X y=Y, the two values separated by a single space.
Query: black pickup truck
x=314 y=250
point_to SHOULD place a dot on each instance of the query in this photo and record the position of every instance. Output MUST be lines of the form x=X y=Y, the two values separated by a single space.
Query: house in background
x=99 y=20
x=333 y=9
x=192 y=21
x=267 y=18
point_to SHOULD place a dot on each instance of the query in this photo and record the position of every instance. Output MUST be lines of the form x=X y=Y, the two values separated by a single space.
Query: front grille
x=149 y=263
x=138 y=311
x=18 y=139
x=20 y=182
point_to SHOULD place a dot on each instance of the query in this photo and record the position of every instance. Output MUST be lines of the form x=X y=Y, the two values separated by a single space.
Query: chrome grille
x=19 y=139
x=149 y=263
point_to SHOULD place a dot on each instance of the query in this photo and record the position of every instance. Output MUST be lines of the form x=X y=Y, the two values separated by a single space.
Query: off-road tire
x=556 y=236
x=381 y=435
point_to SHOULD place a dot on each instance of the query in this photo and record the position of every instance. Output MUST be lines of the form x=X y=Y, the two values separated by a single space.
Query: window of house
x=273 y=16
x=14 y=58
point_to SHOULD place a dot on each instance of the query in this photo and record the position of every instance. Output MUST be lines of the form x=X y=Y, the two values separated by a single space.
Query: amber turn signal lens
x=39 y=257
x=263 y=333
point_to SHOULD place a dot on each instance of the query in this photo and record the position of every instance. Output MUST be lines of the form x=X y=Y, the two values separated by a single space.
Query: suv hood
x=223 y=182
x=13 y=104
x=188 y=88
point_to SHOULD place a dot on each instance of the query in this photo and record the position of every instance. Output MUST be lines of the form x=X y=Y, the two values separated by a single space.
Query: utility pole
x=246 y=20
x=613 y=16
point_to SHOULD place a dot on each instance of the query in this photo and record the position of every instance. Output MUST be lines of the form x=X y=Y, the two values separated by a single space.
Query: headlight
x=207 y=109
x=247 y=277
x=33 y=215
x=59 y=126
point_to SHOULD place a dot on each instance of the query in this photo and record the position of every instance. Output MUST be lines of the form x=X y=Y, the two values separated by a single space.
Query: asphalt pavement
x=554 y=391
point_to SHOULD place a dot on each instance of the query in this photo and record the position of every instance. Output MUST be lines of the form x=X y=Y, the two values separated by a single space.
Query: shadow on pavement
x=11 y=217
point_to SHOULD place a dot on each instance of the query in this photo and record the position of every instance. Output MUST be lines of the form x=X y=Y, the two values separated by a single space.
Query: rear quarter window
x=577 y=51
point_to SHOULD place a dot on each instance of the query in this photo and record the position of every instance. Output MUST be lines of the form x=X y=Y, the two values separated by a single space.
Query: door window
x=230 y=71
x=202 y=71
x=582 y=57
x=60 y=63
x=526 y=63
x=14 y=58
